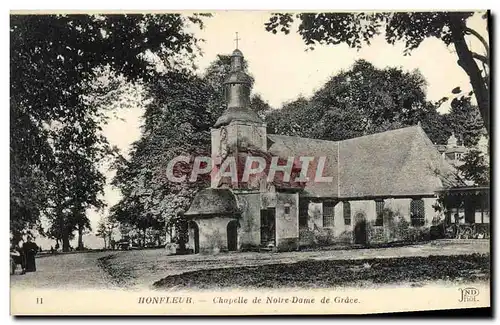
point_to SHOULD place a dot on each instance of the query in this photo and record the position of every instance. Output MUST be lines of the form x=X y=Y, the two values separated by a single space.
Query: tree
x=30 y=162
x=259 y=105
x=358 y=28
x=60 y=230
x=77 y=182
x=475 y=168
x=183 y=107
x=436 y=125
x=360 y=101
x=111 y=225
x=102 y=231
x=105 y=229
x=177 y=122
x=292 y=119
x=54 y=59
x=465 y=121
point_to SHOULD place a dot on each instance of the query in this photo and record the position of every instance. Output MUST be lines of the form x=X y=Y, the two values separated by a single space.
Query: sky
x=283 y=71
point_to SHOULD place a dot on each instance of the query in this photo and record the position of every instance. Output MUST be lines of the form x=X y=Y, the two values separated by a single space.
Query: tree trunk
x=65 y=242
x=468 y=64
x=110 y=238
x=169 y=234
x=64 y=233
x=80 y=237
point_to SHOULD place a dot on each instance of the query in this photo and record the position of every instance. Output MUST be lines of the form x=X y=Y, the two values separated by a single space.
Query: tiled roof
x=401 y=162
x=286 y=146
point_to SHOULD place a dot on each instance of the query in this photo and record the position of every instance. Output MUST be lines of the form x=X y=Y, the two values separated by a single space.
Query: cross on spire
x=237 y=39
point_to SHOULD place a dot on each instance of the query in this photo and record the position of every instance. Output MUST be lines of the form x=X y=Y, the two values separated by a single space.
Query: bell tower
x=239 y=129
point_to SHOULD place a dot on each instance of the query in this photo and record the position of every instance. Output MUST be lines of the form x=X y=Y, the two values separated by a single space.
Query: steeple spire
x=237 y=90
x=237 y=39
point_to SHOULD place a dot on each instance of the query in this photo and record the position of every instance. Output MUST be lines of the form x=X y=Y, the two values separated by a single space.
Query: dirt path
x=79 y=271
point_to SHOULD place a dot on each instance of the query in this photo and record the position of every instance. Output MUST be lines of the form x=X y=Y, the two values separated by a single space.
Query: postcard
x=249 y=162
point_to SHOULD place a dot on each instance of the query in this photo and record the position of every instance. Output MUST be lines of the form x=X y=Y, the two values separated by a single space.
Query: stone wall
x=397 y=227
x=343 y=232
x=268 y=200
x=216 y=152
x=287 y=224
x=315 y=216
x=190 y=243
x=365 y=206
x=215 y=141
x=398 y=205
x=249 y=231
x=317 y=235
x=212 y=234
x=397 y=223
x=250 y=135
x=239 y=135
x=430 y=212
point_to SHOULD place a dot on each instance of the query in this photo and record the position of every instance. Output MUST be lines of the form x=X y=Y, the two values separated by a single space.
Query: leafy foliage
x=177 y=122
x=361 y=101
x=476 y=168
x=359 y=28
x=102 y=231
x=105 y=229
x=465 y=121
x=55 y=132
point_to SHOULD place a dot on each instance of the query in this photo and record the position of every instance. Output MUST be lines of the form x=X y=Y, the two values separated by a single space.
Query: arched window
x=347 y=213
x=417 y=212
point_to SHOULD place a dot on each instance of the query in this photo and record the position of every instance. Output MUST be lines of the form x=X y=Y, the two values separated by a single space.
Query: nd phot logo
x=468 y=294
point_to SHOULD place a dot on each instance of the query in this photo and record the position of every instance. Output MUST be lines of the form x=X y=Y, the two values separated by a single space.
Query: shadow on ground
x=340 y=273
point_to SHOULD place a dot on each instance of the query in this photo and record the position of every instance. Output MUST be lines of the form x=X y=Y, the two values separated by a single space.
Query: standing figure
x=30 y=249
x=17 y=257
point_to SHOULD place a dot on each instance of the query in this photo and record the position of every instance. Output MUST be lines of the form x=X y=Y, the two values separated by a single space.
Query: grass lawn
x=338 y=273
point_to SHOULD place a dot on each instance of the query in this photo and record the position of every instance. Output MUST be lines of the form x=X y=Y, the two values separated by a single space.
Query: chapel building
x=399 y=171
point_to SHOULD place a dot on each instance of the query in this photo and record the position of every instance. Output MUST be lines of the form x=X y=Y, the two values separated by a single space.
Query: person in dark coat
x=30 y=249
x=17 y=257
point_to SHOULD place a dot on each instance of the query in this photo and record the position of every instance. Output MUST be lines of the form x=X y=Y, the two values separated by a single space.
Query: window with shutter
x=379 y=210
x=417 y=213
x=328 y=214
x=347 y=213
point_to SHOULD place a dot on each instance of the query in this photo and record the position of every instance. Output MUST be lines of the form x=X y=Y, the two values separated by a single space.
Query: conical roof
x=241 y=114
